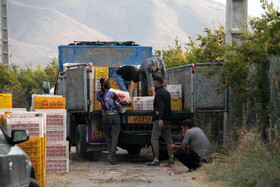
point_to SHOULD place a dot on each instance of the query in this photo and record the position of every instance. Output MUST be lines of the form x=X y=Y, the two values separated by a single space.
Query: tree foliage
x=22 y=83
x=245 y=65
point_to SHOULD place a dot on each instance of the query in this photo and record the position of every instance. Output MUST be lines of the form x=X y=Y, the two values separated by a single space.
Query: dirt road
x=130 y=171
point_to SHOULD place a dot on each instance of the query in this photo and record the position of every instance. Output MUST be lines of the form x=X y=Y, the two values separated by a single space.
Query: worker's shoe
x=112 y=159
x=153 y=163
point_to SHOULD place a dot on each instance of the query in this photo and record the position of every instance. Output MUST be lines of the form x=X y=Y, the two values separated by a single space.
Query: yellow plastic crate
x=96 y=105
x=176 y=104
x=47 y=102
x=2 y=120
x=114 y=84
x=132 y=105
x=5 y=101
x=39 y=165
x=35 y=148
x=101 y=72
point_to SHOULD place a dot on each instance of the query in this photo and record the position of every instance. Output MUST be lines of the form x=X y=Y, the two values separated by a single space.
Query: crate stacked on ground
x=99 y=72
x=35 y=147
x=57 y=148
x=176 y=96
x=7 y=111
x=5 y=100
x=48 y=102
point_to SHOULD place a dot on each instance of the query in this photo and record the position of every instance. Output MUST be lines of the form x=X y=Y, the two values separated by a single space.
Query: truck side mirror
x=46 y=87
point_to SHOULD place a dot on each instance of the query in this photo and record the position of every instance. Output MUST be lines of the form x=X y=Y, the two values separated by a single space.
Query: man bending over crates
x=162 y=123
x=149 y=68
x=126 y=77
x=110 y=117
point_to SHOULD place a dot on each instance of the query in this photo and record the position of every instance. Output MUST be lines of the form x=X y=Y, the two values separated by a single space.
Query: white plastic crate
x=54 y=117
x=143 y=103
x=175 y=90
x=56 y=134
x=57 y=149
x=34 y=127
x=97 y=86
x=57 y=165
x=22 y=116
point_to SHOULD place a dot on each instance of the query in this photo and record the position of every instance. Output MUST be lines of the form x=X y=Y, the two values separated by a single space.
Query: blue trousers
x=123 y=84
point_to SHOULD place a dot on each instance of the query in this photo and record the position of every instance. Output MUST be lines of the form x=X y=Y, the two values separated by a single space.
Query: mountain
x=36 y=28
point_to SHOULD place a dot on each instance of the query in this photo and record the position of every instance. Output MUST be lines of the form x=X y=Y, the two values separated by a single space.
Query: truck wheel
x=81 y=144
x=33 y=183
x=134 y=150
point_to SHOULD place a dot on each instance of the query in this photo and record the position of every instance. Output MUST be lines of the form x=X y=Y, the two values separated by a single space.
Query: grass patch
x=251 y=162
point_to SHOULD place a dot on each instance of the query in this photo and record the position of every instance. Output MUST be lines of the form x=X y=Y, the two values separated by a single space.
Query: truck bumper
x=137 y=138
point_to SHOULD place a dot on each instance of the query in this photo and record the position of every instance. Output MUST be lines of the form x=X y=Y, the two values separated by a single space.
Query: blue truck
x=76 y=82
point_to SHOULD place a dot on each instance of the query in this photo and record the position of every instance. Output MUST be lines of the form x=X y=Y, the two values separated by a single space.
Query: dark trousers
x=165 y=132
x=188 y=157
x=144 y=84
x=111 y=127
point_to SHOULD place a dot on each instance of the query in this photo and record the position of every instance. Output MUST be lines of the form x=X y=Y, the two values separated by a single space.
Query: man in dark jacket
x=162 y=123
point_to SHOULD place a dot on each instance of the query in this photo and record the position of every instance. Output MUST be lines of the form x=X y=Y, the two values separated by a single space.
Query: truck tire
x=81 y=144
x=134 y=150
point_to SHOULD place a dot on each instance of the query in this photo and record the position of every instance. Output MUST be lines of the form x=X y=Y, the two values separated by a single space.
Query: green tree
x=22 y=83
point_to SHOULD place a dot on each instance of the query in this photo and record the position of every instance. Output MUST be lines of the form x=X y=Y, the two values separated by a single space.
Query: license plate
x=99 y=133
x=139 y=119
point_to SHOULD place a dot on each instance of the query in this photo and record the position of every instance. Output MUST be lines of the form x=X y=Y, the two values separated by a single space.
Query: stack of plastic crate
x=57 y=149
x=7 y=111
x=99 y=72
x=143 y=103
x=48 y=101
x=35 y=147
x=176 y=96
x=5 y=100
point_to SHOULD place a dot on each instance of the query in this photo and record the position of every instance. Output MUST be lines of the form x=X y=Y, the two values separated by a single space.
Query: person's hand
x=129 y=104
x=173 y=147
x=160 y=123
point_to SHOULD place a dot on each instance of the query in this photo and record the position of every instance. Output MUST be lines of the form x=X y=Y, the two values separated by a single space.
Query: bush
x=22 y=83
x=251 y=161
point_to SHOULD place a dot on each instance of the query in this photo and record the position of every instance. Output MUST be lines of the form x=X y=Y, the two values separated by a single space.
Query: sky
x=254 y=6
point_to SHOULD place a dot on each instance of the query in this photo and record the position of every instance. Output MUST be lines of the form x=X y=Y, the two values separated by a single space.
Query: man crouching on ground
x=195 y=147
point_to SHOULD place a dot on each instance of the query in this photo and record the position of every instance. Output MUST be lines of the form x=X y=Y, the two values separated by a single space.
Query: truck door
x=76 y=89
